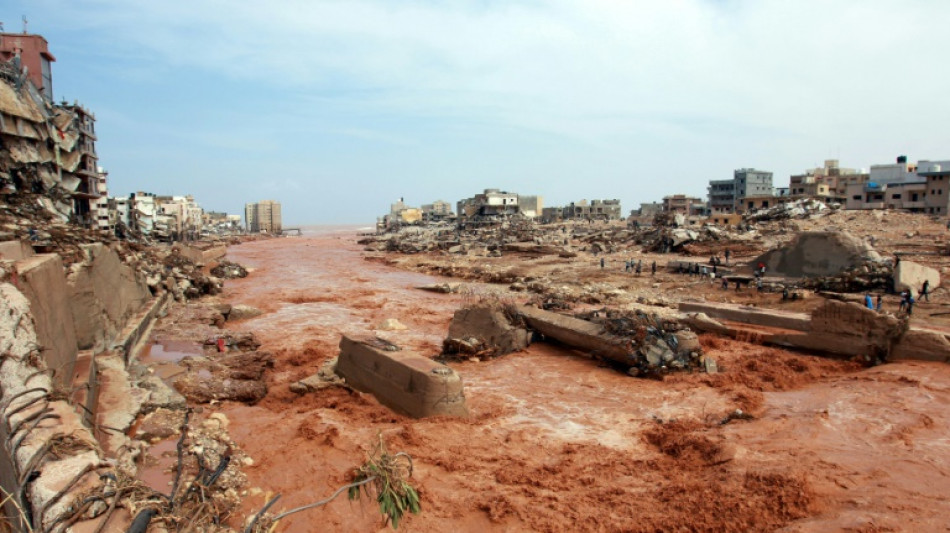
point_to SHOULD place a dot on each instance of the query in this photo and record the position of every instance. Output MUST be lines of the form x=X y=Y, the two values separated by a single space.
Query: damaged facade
x=584 y=210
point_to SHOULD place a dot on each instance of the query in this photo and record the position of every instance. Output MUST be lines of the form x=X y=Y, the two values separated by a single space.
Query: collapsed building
x=584 y=210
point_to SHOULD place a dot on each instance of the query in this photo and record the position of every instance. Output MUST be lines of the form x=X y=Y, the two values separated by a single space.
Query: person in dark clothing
x=880 y=302
x=639 y=267
x=910 y=304
x=925 y=290
x=653 y=269
x=727 y=255
x=725 y=284
x=601 y=262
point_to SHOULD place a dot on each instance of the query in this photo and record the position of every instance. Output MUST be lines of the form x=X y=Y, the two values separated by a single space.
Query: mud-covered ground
x=557 y=442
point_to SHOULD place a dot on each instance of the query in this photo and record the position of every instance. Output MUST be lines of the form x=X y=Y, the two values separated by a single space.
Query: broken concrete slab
x=104 y=293
x=15 y=250
x=402 y=380
x=42 y=280
x=909 y=275
x=923 y=344
x=487 y=329
x=818 y=253
x=772 y=318
x=578 y=333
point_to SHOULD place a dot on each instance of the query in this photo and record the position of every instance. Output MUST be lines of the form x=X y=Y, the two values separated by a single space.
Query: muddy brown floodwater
x=557 y=442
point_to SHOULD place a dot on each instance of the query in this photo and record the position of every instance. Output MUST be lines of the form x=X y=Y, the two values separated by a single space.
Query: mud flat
x=557 y=442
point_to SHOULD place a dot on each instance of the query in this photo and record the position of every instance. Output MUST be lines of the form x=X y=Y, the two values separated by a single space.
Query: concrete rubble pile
x=804 y=208
x=658 y=345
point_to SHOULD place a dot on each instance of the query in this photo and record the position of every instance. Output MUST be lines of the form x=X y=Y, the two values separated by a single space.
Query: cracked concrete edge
x=18 y=374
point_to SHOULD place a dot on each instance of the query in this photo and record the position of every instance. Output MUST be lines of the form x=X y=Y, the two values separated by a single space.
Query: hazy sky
x=337 y=108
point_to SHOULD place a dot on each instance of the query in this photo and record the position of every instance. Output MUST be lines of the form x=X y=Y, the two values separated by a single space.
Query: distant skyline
x=338 y=108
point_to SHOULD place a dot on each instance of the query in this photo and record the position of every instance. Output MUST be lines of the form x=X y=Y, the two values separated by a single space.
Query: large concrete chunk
x=489 y=327
x=43 y=282
x=909 y=275
x=401 y=380
x=103 y=293
x=818 y=253
x=578 y=333
x=771 y=318
x=15 y=250
x=922 y=344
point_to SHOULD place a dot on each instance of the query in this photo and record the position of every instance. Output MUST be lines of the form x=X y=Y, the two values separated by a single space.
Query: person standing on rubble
x=910 y=303
x=880 y=301
x=727 y=255
x=602 y=263
x=925 y=290
x=868 y=302
x=903 y=303
x=653 y=269
x=639 y=267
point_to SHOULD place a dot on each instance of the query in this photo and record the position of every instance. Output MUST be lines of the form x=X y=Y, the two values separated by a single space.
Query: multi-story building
x=680 y=203
x=437 y=210
x=827 y=183
x=890 y=186
x=33 y=53
x=495 y=202
x=725 y=195
x=103 y=218
x=937 y=188
x=263 y=216
x=143 y=212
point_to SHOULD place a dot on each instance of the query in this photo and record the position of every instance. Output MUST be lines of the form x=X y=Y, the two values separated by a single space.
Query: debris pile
x=658 y=345
x=804 y=208
x=230 y=368
x=228 y=270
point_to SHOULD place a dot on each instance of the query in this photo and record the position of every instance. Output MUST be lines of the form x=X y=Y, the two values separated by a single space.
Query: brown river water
x=557 y=442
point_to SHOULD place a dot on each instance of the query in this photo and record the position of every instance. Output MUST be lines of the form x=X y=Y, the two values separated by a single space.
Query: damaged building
x=47 y=147
x=495 y=202
x=584 y=210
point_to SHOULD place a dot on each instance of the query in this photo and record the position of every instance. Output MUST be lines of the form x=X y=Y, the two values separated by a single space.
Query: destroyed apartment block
x=47 y=148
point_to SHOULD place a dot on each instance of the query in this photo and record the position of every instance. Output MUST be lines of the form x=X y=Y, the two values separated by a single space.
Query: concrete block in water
x=578 y=333
x=401 y=380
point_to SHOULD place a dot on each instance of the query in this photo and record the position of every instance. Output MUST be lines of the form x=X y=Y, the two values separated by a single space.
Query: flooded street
x=557 y=442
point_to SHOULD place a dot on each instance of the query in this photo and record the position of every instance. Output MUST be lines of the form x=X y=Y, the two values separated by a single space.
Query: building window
x=856 y=197
x=896 y=197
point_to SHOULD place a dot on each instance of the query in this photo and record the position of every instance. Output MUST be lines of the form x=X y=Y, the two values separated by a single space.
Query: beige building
x=263 y=216
x=937 y=174
x=680 y=203
x=828 y=183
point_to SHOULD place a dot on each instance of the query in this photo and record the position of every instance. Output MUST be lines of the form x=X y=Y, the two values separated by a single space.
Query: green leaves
x=394 y=495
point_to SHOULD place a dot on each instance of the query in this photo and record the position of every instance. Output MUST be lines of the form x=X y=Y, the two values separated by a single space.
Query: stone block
x=577 y=333
x=750 y=315
x=817 y=253
x=401 y=380
x=491 y=327
x=922 y=344
x=43 y=281
x=15 y=250
x=911 y=275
